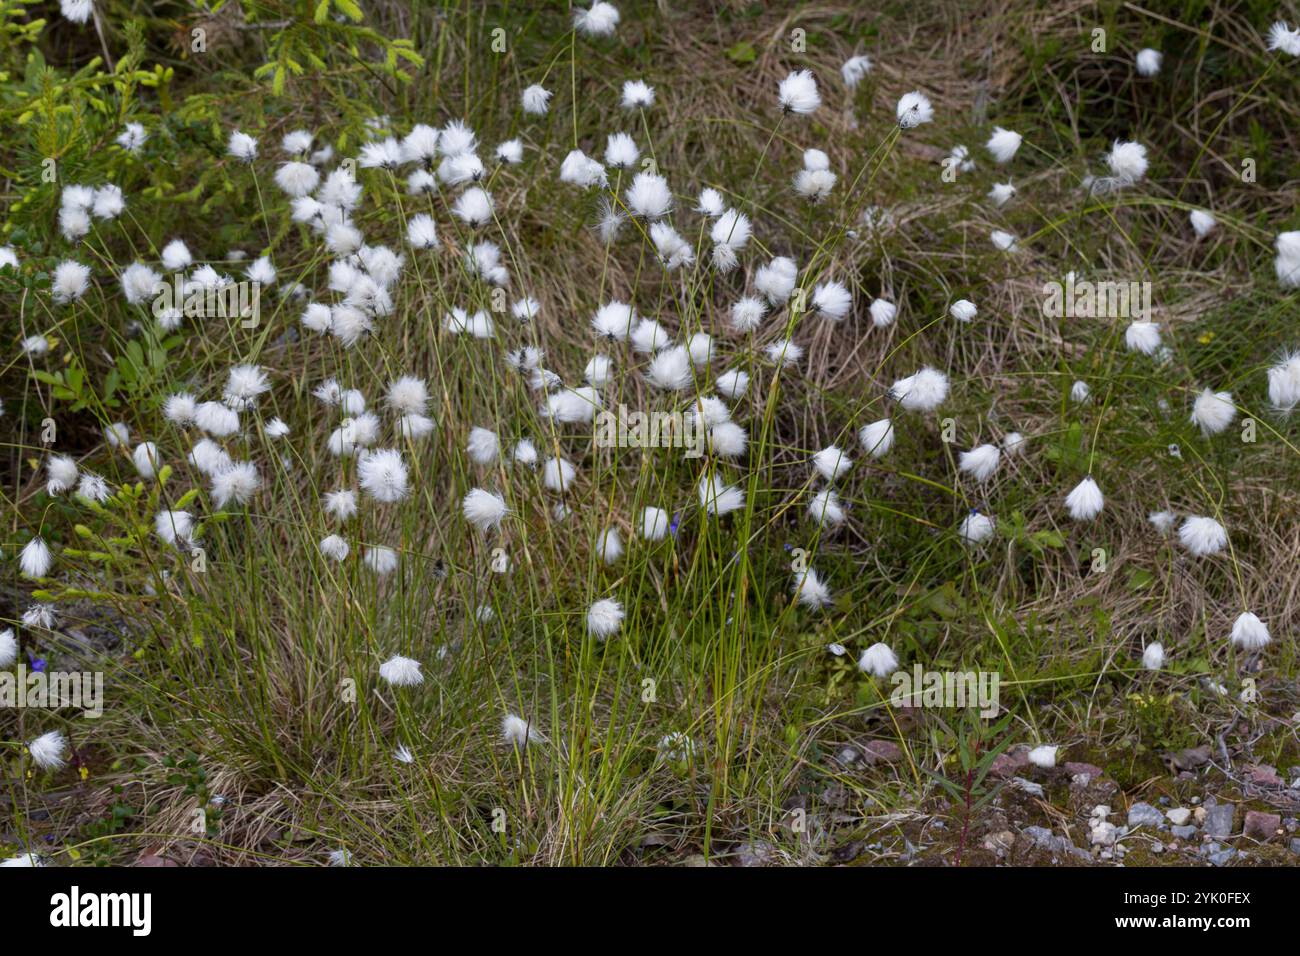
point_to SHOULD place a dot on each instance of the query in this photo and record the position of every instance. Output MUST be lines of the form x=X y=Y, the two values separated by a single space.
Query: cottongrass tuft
x=923 y=391
x=855 y=69
x=654 y=524
x=334 y=547
x=401 y=671
x=1213 y=412
x=1043 y=756
x=380 y=559
x=882 y=313
x=604 y=618
x=1250 y=633
x=718 y=498
x=49 y=751
x=914 y=109
x=831 y=463
x=609 y=546
x=797 y=93
x=383 y=475
x=1148 y=61
x=878 y=660
x=1202 y=222
x=1085 y=501
x=599 y=20
x=976 y=528
x=980 y=462
x=60 y=474
x=1003 y=144
x=825 y=509
x=1127 y=161
x=518 y=732
x=810 y=590
x=877 y=438
x=484 y=510
x=35 y=560
x=1202 y=536
x=8 y=647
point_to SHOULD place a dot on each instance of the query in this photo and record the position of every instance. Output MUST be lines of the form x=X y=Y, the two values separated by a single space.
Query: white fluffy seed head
x=1202 y=222
x=883 y=313
x=877 y=438
x=380 y=559
x=1003 y=144
x=382 y=474
x=776 y=279
x=604 y=618
x=517 y=731
x=1162 y=521
x=614 y=320
x=976 y=528
x=483 y=509
x=334 y=547
x=1213 y=411
x=855 y=69
x=483 y=446
x=61 y=474
x=980 y=462
x=1127 y=161
x=236 y=484
x=649 y=196
x=1142 y=337
x=609 y=545
x=1284 y=383
x=1001 y=193
x=1250 y=633
x=784 y=352
x=1085 y=501
x=798 y=93
x=49 y=751
x=832 y=301
x=732 y=384
x=913 y=109
x=718 y=498
x=810 y=590
x=825 y=509
x=1202 y=536
x=558 y=474
x=1043 y=756
x=408 y=395
x=963 y=310
x=654 y=524
x=728 y=439
x=878 y=660
x=649 y=336
x=35 y=559
x=1148 y=61
x=747 y=313
x=401 y=671
x=670 y=369
x=832 y=463
x=923 y=391
x=145 y=458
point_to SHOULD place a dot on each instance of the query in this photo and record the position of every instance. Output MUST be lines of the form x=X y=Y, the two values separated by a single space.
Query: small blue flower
x=38 y=663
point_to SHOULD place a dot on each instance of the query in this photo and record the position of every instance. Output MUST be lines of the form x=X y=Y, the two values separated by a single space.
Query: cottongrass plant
x=400 y=481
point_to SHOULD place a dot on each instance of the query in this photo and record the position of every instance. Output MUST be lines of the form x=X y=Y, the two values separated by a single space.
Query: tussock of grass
x=251 y=689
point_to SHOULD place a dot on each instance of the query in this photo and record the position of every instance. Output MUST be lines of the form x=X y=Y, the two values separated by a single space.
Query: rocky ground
x=1201 y=812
